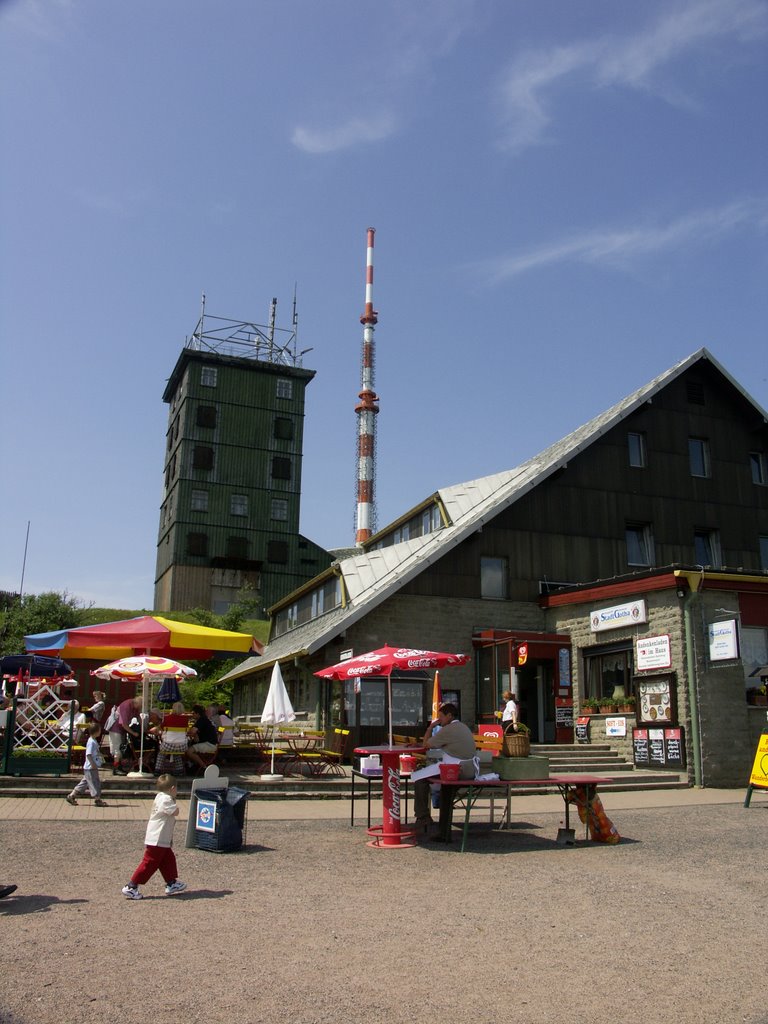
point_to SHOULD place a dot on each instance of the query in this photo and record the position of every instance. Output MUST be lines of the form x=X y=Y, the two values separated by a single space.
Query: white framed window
x=493 y=578
x=758 y=462
x=637 y=452
x=707 y=548
x=279 y=509
x=238 y=504
x=199 y=501
x=639 y=537
x=284 y=388
x=698 y=456
x=209 y=376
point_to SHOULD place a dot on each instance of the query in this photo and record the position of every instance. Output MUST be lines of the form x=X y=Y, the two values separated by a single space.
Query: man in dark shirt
x=205 y=737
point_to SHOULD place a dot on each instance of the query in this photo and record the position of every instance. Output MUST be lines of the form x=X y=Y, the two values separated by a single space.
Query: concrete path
x=57 y=809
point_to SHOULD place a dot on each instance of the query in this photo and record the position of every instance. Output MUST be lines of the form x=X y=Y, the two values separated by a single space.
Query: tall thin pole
x=24 y=562
x=367 y=410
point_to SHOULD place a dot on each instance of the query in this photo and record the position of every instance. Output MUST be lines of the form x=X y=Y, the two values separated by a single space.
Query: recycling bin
x=220 y=819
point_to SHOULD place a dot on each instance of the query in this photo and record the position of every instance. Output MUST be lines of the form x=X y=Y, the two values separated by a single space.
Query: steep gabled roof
x=370 y=577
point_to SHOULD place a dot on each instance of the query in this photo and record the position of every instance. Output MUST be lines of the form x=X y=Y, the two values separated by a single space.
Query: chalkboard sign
x=640 y=746
x=659 y=748
x=582 y=729
x=656 y=748
x=564 y=716
x=674 y=748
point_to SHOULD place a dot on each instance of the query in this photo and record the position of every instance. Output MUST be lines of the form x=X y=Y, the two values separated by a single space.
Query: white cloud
x=628 y=61
x=352 y=132
x=412 y=38
x=619 y=247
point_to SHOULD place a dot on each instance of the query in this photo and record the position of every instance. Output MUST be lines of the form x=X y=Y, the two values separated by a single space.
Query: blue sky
x=568 y=199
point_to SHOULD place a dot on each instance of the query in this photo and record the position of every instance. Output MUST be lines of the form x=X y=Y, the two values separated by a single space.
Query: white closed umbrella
x=277 y=708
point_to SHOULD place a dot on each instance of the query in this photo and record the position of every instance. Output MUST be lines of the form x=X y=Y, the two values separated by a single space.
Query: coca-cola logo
x=393 y=785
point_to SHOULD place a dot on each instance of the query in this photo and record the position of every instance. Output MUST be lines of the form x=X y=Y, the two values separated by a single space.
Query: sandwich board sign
x=758 y=779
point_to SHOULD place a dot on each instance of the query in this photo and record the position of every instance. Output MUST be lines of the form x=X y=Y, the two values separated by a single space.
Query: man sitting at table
x=456 y=741
x=204 y=736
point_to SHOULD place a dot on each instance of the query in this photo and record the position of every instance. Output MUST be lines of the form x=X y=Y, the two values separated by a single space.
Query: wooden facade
x=674 y=479
x=232 y=473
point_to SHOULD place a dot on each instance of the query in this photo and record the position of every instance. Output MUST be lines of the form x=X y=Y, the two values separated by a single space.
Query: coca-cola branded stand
x=389 y=835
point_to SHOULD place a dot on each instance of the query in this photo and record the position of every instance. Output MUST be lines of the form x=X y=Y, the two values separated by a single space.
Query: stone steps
x=590 y=759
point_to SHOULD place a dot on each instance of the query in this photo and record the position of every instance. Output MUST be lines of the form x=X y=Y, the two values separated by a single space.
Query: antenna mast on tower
x=367 y=410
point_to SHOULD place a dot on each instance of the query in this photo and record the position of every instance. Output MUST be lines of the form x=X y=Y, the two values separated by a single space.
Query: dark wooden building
x=632 y=523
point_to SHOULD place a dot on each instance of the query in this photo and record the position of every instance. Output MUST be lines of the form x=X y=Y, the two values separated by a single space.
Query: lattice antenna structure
x=367 y=410
x=267 y=342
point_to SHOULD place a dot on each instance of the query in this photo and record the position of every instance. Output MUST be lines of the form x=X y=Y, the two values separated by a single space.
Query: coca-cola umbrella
x=384 y=661
x=145 y=669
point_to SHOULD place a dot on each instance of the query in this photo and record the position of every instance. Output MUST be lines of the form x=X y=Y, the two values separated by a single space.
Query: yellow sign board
x=759 y=776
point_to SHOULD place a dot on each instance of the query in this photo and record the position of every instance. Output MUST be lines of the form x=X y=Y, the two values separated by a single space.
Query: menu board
x=640 y=746
x=659 y=748
x=674 y=748
x=582 y=729
x=656 y=757
x=564 y=715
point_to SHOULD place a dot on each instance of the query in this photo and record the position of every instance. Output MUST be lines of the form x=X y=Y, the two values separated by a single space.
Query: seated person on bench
x=455 y=739
x=204 y=735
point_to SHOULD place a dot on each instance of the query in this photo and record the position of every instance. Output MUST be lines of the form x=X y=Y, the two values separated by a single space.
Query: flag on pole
x=437 y=696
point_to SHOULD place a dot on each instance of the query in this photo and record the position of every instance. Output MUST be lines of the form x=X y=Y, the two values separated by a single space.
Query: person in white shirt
x=158 y=852
x=509 y=712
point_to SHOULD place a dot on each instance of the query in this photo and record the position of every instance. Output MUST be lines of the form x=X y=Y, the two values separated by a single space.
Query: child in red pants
x=158 y=855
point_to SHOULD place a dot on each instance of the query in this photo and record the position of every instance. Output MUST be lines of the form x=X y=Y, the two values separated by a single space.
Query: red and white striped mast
x=366 y=410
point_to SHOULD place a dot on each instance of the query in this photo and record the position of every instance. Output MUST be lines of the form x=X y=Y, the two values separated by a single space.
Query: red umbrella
x=385 y=660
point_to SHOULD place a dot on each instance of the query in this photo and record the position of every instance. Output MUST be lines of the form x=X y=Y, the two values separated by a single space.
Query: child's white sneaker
x=131 y=892
x=173 y=887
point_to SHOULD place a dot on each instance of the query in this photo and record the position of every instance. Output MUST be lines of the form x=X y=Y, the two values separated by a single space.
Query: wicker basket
x=516 y=744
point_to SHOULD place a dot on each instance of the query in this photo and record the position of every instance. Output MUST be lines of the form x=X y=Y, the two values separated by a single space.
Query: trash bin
x=220 y=819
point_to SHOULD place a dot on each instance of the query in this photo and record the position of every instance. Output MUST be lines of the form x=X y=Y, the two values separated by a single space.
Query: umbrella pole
x=389 y=703
x=141 y=774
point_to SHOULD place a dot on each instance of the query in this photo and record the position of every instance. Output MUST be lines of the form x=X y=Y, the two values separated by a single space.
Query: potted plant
x=627 y=704
x=607 y=705
x=590 y=705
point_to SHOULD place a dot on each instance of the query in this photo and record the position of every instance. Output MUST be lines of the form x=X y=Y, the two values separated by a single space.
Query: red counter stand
x=389 y=835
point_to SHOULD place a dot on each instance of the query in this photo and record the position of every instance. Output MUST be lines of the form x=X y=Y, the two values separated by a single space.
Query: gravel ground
x=309 y=925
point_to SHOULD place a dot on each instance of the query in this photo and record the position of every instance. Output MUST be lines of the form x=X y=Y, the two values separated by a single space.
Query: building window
x=607 y=670
x=493 y=578
x=284 y=388
x=283 y=429
x=279 y=510
x=698 y=456
x=202 y=457
x=637 y=453
x=208 y=376
x=707 y=548
x=759 y=463
x=238 y=504
x=281 y=468
x=764 y=552
x=206 y=416
x=639 y=544
x=277 y=552
x=197 y=543
x=199 y=501
x=237 y=547
x=310 y=606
